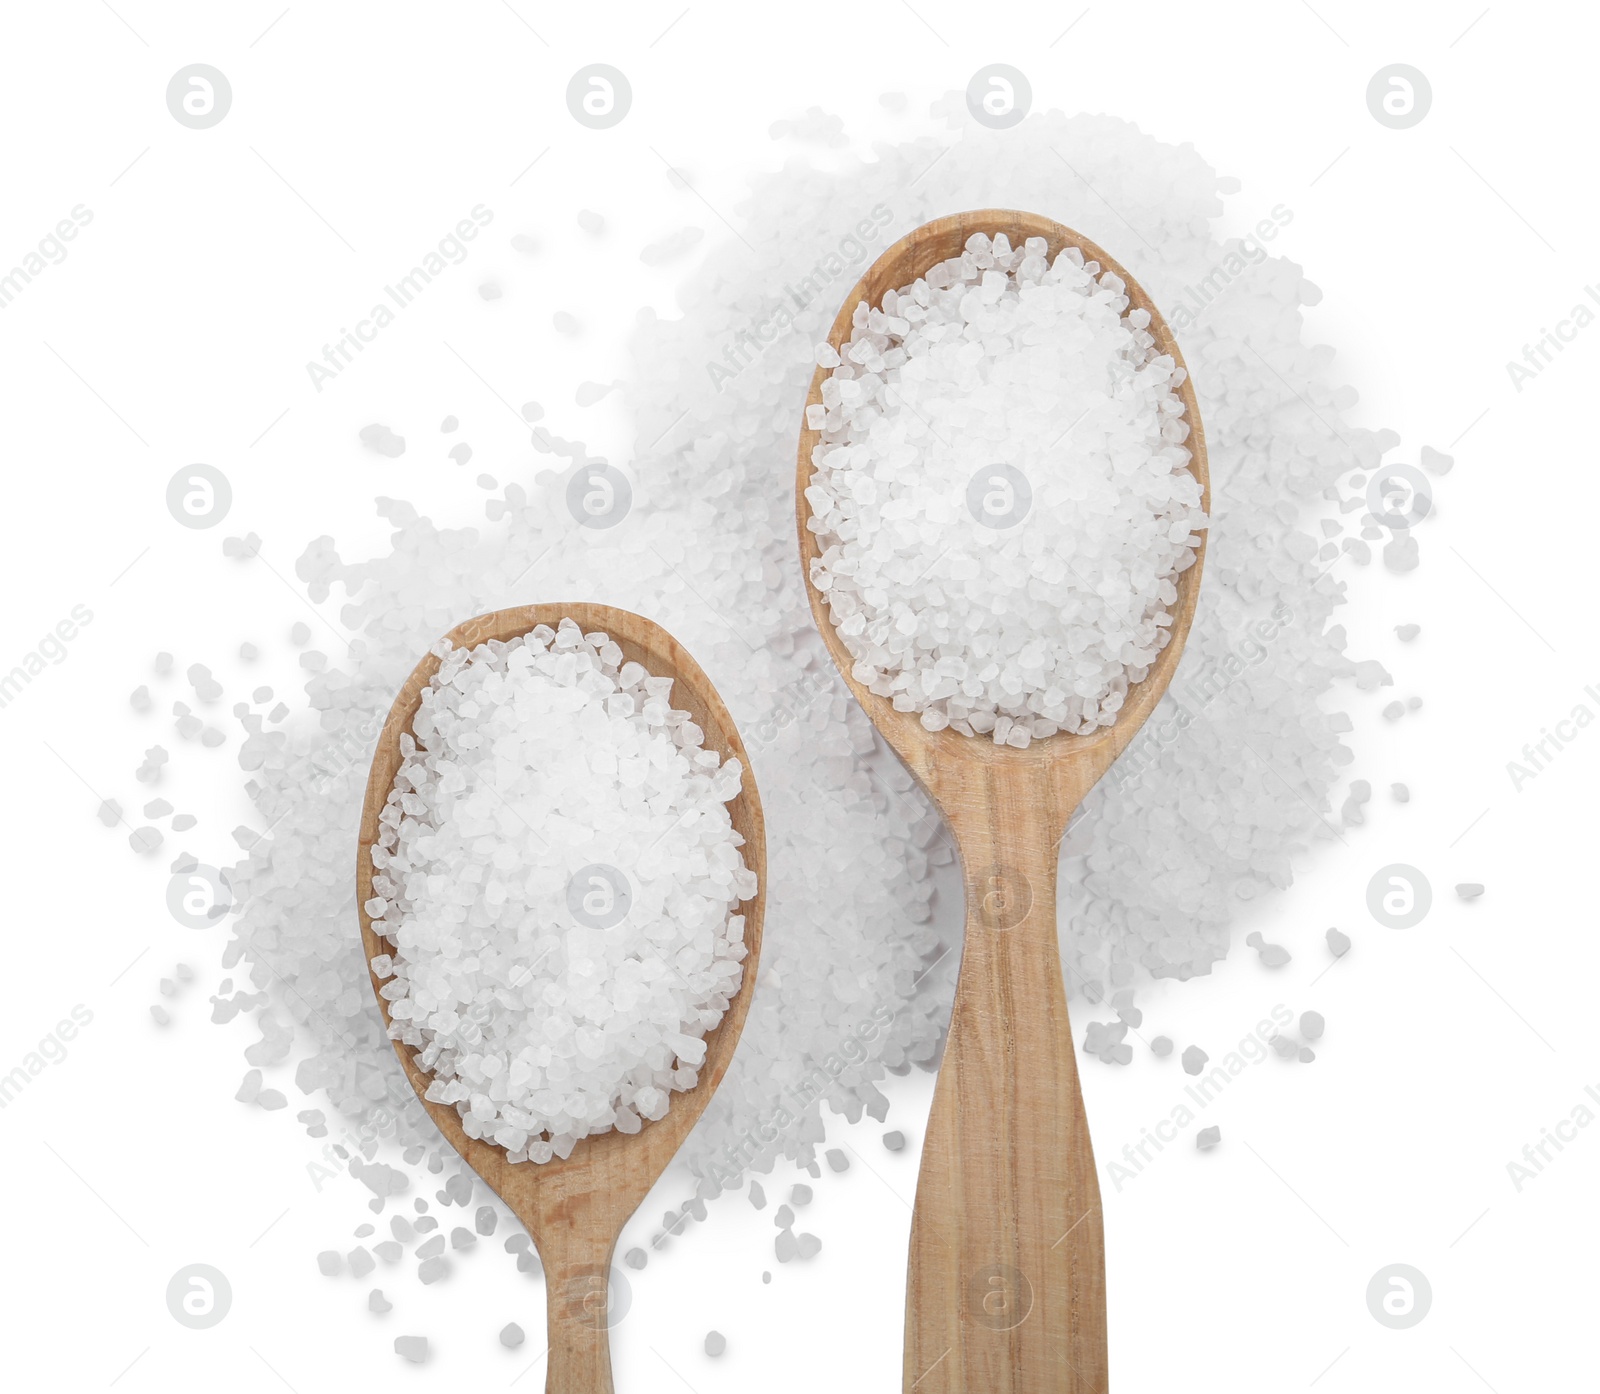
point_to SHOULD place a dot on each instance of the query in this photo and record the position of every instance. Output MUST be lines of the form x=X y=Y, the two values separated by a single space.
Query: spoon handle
x=582 y=1311
x=1006 y=1287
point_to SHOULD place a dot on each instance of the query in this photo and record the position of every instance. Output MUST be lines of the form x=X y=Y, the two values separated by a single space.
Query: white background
x=177 y=330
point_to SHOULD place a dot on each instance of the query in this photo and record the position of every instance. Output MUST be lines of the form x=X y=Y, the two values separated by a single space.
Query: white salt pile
x=1001 y=493
x=1212 y=804
x=558 y=873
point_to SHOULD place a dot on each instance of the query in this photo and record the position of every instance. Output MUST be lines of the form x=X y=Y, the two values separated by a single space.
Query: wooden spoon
x=575 y=1209
x=1006 y=1288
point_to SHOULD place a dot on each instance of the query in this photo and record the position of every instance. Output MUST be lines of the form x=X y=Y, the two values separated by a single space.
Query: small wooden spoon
x=575 y=1209
x=1006 y=1288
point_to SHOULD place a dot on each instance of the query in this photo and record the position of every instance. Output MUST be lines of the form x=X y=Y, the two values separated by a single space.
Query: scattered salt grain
x=1312 y=1025
x=300 y=634
x=591 y=222
x=271 y=1100
x=511 y=1335
x=139 y=699
x=1407 y=632
x=1360 y=793
x=109 y=813
x=1307 y=1055
x=807 y=1246
x=564 y=323
x=485 y=1220
x=489 y=290
x=671 y=247
x=389 y=1250
x=163 y=664
x=1400 y=553
x=1400 y=792
x=1271 y=955
x=383 y=441
x=1469 y=890
x=636 y=1258
x=784 y=1217
x=1194 y=1060
x=1207 y=1138
x=462 y=1238
x=1394 y=711
x=412 y=1348
x=431 y=1270
x=785 y=1246
x=331 y=1262
x=758 y=1196
x=1435 y=462
x=1338 y=943
x=716 y=1343
x=377 y=1302
x=1161 y=1047
x=837 y=1159
x=160 y=1015
x=589 y=393
x=361 y=1262
x=145 y=840
x=895 y=1141
x=801 y=1194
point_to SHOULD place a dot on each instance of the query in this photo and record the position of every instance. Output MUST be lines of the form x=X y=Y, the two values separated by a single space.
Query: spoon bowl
x=574 y=1208
x=1005 y=1290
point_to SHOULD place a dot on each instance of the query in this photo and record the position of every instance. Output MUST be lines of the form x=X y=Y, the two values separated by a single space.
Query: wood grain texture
x=1005 y=1292
x=574 y=1209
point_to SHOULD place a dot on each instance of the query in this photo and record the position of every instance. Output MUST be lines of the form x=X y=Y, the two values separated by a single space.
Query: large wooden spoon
x=1006 y=1288
x=575 y=1209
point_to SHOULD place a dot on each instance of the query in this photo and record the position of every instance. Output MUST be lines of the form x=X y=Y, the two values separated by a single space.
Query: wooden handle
x=582 y=1311
x=1006 y=1288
